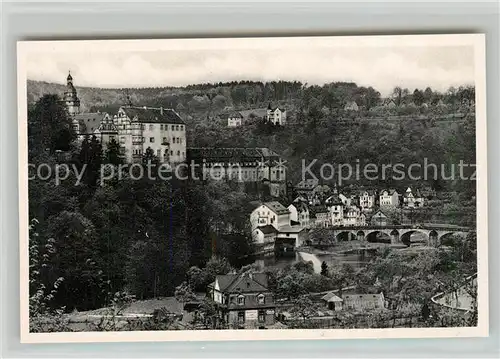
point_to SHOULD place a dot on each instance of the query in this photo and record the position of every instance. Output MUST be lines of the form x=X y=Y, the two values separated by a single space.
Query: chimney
x=161 y=110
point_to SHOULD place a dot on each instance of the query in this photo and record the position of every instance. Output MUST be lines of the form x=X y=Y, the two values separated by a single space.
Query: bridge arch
x=345 y=236
x=378 y=236
x=446 y=236
x=406 y=237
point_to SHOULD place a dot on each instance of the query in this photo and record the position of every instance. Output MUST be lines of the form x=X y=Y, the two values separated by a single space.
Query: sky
x=382 y=66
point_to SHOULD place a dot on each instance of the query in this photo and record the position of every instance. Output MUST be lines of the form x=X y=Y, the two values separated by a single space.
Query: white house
x=299 y=212
x=351 y=106
x=389 y=198
x=264 y=237
x=353 y=217
x=336 y=209
x=333 y=301
x=412 y=199
x=270 y=213
x=367 y=200
x=276 y=116
x=234 y=119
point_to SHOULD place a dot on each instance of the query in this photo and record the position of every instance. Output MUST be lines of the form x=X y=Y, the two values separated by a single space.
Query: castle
x=134 y=128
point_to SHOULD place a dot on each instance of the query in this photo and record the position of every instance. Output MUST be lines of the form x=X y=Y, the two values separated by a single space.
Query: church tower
x=70 y=97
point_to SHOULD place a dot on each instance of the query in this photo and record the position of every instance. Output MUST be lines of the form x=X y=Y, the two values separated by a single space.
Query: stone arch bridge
x=434 y=233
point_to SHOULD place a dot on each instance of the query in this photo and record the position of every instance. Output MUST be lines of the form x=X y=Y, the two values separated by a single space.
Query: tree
x=49 y=126
x=418 y=97
x=184 y=292
x=324 y=269
x=113 y=155
x=303 y=307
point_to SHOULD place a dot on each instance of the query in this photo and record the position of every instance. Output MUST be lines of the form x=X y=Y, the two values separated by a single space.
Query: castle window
x=161 y=127
x=241 y=300
x=151 y=127
x=171 y=153
x=178 y=153
x=151 y=139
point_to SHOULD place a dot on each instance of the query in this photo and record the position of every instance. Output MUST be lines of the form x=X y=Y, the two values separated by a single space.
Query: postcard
x=268 y=188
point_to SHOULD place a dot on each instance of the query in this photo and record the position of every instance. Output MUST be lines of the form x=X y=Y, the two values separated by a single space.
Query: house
x=351 y=106
x=360 y=302
x=299 y=212
x=333 y=301
x=320 y=217
x=295 y=234
x=354 y=217
x=389 y=198
x=336 y=209
x=379 y=219
x=367 y=199
x=270 y=213
x=264 y=237
x=276 y=115
x=234 y=119
x=243 y=300
x=412 y=199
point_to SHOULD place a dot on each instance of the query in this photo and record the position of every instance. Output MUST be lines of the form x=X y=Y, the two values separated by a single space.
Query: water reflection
x=356 y=259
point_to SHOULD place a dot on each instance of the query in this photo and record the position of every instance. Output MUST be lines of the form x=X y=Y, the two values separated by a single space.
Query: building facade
x=276 y=115
x=244 y=300
x=234 y=119
x=270 y=213
x=389 y=198
x=241 y=165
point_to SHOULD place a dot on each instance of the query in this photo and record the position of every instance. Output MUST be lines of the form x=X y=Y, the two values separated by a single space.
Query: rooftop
x=153 y=114
x=277 y=207
x=242 y=283
x=230 y=153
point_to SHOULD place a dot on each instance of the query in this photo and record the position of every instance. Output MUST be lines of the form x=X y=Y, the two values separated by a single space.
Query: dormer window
x=260 y=298
x=241 y=300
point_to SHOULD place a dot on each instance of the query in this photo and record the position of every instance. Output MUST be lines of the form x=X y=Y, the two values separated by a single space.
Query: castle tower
x=70 y=97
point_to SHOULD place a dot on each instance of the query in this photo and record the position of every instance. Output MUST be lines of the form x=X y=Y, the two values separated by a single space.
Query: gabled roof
x=267 y=229
x=334 y=200
x=242 y=283
x=276 y=207
x=235 y=115
x=314 y=210
x=89 y=122
x=152 y=115
x=331 y=297
x=389 y=191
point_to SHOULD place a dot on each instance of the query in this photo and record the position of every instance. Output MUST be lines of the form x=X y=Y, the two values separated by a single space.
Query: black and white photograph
x=253 y=188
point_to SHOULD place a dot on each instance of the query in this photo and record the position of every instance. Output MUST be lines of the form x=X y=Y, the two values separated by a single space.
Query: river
x=356 y=259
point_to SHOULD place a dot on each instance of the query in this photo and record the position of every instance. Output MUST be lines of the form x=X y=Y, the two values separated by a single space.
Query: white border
x=24 y=48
